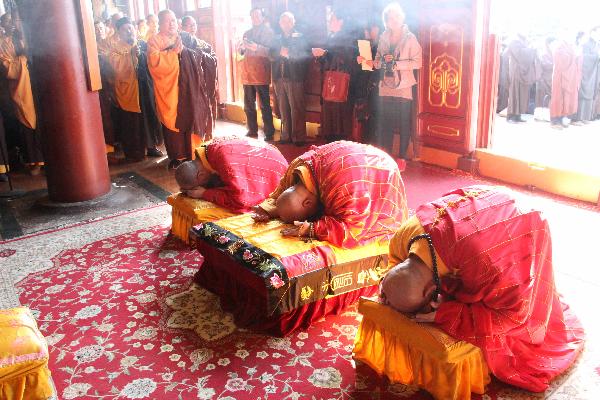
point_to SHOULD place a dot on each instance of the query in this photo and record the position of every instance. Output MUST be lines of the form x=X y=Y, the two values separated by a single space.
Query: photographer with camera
x=398 y=55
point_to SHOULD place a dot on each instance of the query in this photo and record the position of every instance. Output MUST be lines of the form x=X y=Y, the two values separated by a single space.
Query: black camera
x=388 y=70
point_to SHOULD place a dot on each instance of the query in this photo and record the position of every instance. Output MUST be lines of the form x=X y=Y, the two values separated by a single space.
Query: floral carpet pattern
x=114 y=300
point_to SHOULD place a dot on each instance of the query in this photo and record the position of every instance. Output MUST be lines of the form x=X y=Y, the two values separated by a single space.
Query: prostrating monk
x=15 y=71
x=124 y=58
x=183 y=100
x=491 y=260
x=565 y=83
x=351 y=193
x=236 y=173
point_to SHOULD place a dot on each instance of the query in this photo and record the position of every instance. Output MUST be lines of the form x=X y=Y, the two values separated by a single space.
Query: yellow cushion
x=24 y=370
x=418 y=354
x=187 y=212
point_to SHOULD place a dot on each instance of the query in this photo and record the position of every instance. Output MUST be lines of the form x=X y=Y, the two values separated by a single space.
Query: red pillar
x=68 y=113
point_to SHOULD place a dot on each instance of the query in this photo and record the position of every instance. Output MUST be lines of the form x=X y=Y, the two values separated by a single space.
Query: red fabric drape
x=502 y=296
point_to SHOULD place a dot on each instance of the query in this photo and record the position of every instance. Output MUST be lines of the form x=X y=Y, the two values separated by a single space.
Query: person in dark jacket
x=290 y=55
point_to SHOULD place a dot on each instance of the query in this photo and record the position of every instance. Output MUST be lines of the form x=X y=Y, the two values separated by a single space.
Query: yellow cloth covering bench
x=418 y=354
x=24 y=373
x=187 y=212
x=278 y=284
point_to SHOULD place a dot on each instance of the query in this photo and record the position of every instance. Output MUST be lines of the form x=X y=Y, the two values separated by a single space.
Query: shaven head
x=6 y=23
x=297 y=203
x=152 y=21
x=126 y=30
x=191 y=174
x=408 y=287
x=114 y=18
x=167 y=22
x=100 y=30
x=189 y=25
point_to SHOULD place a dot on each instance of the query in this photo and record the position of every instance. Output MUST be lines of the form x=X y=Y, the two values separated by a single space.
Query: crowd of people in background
x=556 y=79
x=372 y=104
x=159 y=83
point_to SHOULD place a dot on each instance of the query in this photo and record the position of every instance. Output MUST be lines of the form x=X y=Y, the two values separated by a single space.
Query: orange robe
x=164 y=68
x=124 y=65
x=19 y=82
x=500 y=289
x=359 y=186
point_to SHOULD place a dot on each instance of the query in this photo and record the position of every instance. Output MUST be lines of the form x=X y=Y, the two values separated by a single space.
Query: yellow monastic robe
x=149 y=33
x=124 y=63
x=19 y=82
x=164 y=68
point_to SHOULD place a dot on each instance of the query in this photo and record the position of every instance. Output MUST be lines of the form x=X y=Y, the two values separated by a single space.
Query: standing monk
x=152 y=26
x=124 y=58
x=256 y=73
x=565 y=84
x=589 y=78
x=184 y=74
x=15 y=70
x=521 y=75
x=543 y=87
x=4 y=167
x=106 y=93
x=491 y=261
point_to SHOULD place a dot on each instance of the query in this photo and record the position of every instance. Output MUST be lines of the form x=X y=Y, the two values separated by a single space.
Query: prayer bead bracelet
x=436 y=275
x=311 y=233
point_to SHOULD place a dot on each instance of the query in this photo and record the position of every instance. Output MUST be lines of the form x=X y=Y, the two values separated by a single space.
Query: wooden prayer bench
x=418 y=354
x=277 y=284
x=24 y=373
x=187 y=212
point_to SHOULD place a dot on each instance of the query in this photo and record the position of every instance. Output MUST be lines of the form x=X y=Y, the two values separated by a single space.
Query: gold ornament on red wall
x=445 y=66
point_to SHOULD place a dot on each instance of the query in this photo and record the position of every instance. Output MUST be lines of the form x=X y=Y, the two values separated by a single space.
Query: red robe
x=501 y=285
x=360 y=188
x=565 y=81
x=248 y=170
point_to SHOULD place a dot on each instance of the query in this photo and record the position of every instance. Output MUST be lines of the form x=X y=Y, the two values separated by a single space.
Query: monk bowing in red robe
x=491 y=261
x=343 y=192
x=232 y=172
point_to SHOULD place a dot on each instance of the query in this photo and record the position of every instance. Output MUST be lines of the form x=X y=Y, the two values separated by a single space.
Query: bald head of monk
x=126 y=30
x=297 y=203
x=191 y=174
x=408 y=287
x=114 y=18
x=100 y=30
x=152 y=21
x=7 y=24
x=167 y=22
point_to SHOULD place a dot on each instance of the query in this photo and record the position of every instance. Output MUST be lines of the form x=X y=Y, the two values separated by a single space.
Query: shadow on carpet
x=34 y=213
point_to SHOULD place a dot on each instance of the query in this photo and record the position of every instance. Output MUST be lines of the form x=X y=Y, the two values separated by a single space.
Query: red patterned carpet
x=113 y=299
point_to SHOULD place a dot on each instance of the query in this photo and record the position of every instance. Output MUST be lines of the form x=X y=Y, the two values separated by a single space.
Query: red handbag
x=335 y=86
